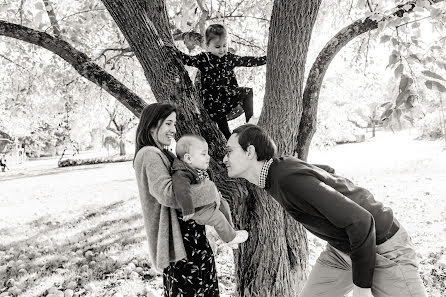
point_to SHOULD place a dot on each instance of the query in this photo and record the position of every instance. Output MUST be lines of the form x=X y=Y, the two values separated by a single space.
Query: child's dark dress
x=196 y=275
x=219 y=88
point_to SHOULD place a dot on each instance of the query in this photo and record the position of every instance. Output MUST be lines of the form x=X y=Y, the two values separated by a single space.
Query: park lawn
x=79 y=230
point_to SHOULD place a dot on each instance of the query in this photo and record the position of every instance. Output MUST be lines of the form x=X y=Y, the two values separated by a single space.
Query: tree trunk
x=275 y=263
x=122 y=151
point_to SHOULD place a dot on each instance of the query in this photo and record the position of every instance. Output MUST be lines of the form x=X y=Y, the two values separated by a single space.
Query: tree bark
x=80 y=61
x=275 y=264
x=122 y=150
x=307 y=126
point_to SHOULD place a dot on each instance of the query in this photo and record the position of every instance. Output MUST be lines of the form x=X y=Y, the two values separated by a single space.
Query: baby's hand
x=188 y=217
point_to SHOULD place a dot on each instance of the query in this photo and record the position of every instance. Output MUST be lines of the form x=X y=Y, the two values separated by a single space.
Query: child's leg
x=210 y=215
x=224 y=208
x=247 y=102
x=224 y=127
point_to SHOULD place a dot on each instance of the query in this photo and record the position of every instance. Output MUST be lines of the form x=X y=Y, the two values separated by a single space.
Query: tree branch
x=239 y=16
x=246 y=42
x=22 y=2
x=52 y=16
x=80 y=61
x=370 y=5
x=204 y=16
x=18 y=65
x=121 y=50
x=313 y=85
x=63 y=19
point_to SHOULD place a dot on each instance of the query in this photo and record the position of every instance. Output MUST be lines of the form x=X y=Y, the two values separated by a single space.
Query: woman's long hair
x=151 y=116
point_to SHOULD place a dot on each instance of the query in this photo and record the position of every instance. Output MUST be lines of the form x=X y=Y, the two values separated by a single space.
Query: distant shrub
x=430 y=126
x=90 y=161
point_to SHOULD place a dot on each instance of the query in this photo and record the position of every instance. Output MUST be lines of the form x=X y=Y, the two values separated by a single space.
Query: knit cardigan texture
x=165 y=241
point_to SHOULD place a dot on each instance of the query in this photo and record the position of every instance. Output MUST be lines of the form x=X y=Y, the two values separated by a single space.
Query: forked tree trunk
x=281 y=253
x=273 y=261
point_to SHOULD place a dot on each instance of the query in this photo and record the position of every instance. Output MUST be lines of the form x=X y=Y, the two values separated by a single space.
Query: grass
x=79 y=231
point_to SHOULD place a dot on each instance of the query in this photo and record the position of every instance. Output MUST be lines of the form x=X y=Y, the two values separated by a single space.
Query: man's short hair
x=250 y=134
x=185 y=142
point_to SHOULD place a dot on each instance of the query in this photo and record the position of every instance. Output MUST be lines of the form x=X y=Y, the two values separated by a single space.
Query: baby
x=190 y=168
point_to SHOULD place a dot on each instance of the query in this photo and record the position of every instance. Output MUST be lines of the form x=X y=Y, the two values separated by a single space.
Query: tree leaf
x=38 y=18
x=386 y=114
x=431 y=85
x=433 y=75
x=409 y=119
x=415 y=57
x=435 y=12
x=386 y=104
x=418 y=9
x=403 y=83
x=392 y=59
x=401 y=97
x=410 y=102
x=385 y=38
x=399 y=70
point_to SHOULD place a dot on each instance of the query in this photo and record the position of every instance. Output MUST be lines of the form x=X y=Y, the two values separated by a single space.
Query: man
x=367 y=249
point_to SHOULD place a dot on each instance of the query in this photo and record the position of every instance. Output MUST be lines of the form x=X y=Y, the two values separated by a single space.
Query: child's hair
x=184 y=144
x=214 y=31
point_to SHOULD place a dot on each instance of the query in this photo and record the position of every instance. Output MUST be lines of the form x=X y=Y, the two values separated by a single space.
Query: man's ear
x=187 y=158
x=252 y=154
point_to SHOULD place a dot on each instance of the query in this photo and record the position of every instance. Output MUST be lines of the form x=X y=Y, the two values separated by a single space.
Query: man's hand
x=188 y=217
x=361 y=292
x=326 y=168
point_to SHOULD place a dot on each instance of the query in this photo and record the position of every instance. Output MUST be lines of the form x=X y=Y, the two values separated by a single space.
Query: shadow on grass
x=52 y=171
x=43 y=225
x=98 y=245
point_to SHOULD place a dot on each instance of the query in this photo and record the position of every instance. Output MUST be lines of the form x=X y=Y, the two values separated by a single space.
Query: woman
x=180 y=248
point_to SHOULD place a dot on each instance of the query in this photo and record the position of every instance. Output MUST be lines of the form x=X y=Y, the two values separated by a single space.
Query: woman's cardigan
x=152 y=169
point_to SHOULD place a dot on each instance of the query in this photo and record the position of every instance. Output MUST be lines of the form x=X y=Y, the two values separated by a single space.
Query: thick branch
x=80 y=61
x=313 y=85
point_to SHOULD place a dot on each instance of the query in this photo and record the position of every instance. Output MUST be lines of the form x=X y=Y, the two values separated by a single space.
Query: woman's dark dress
x=195 y=276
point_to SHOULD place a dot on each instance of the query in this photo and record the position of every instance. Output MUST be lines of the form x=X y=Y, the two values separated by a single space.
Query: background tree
x=121 y=122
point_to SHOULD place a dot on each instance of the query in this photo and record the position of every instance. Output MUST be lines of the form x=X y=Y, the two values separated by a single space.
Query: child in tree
x=219 y=90
x=190 y=168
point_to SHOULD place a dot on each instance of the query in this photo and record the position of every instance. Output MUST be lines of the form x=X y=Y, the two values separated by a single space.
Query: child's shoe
x=240 y=236
x=233 y=246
